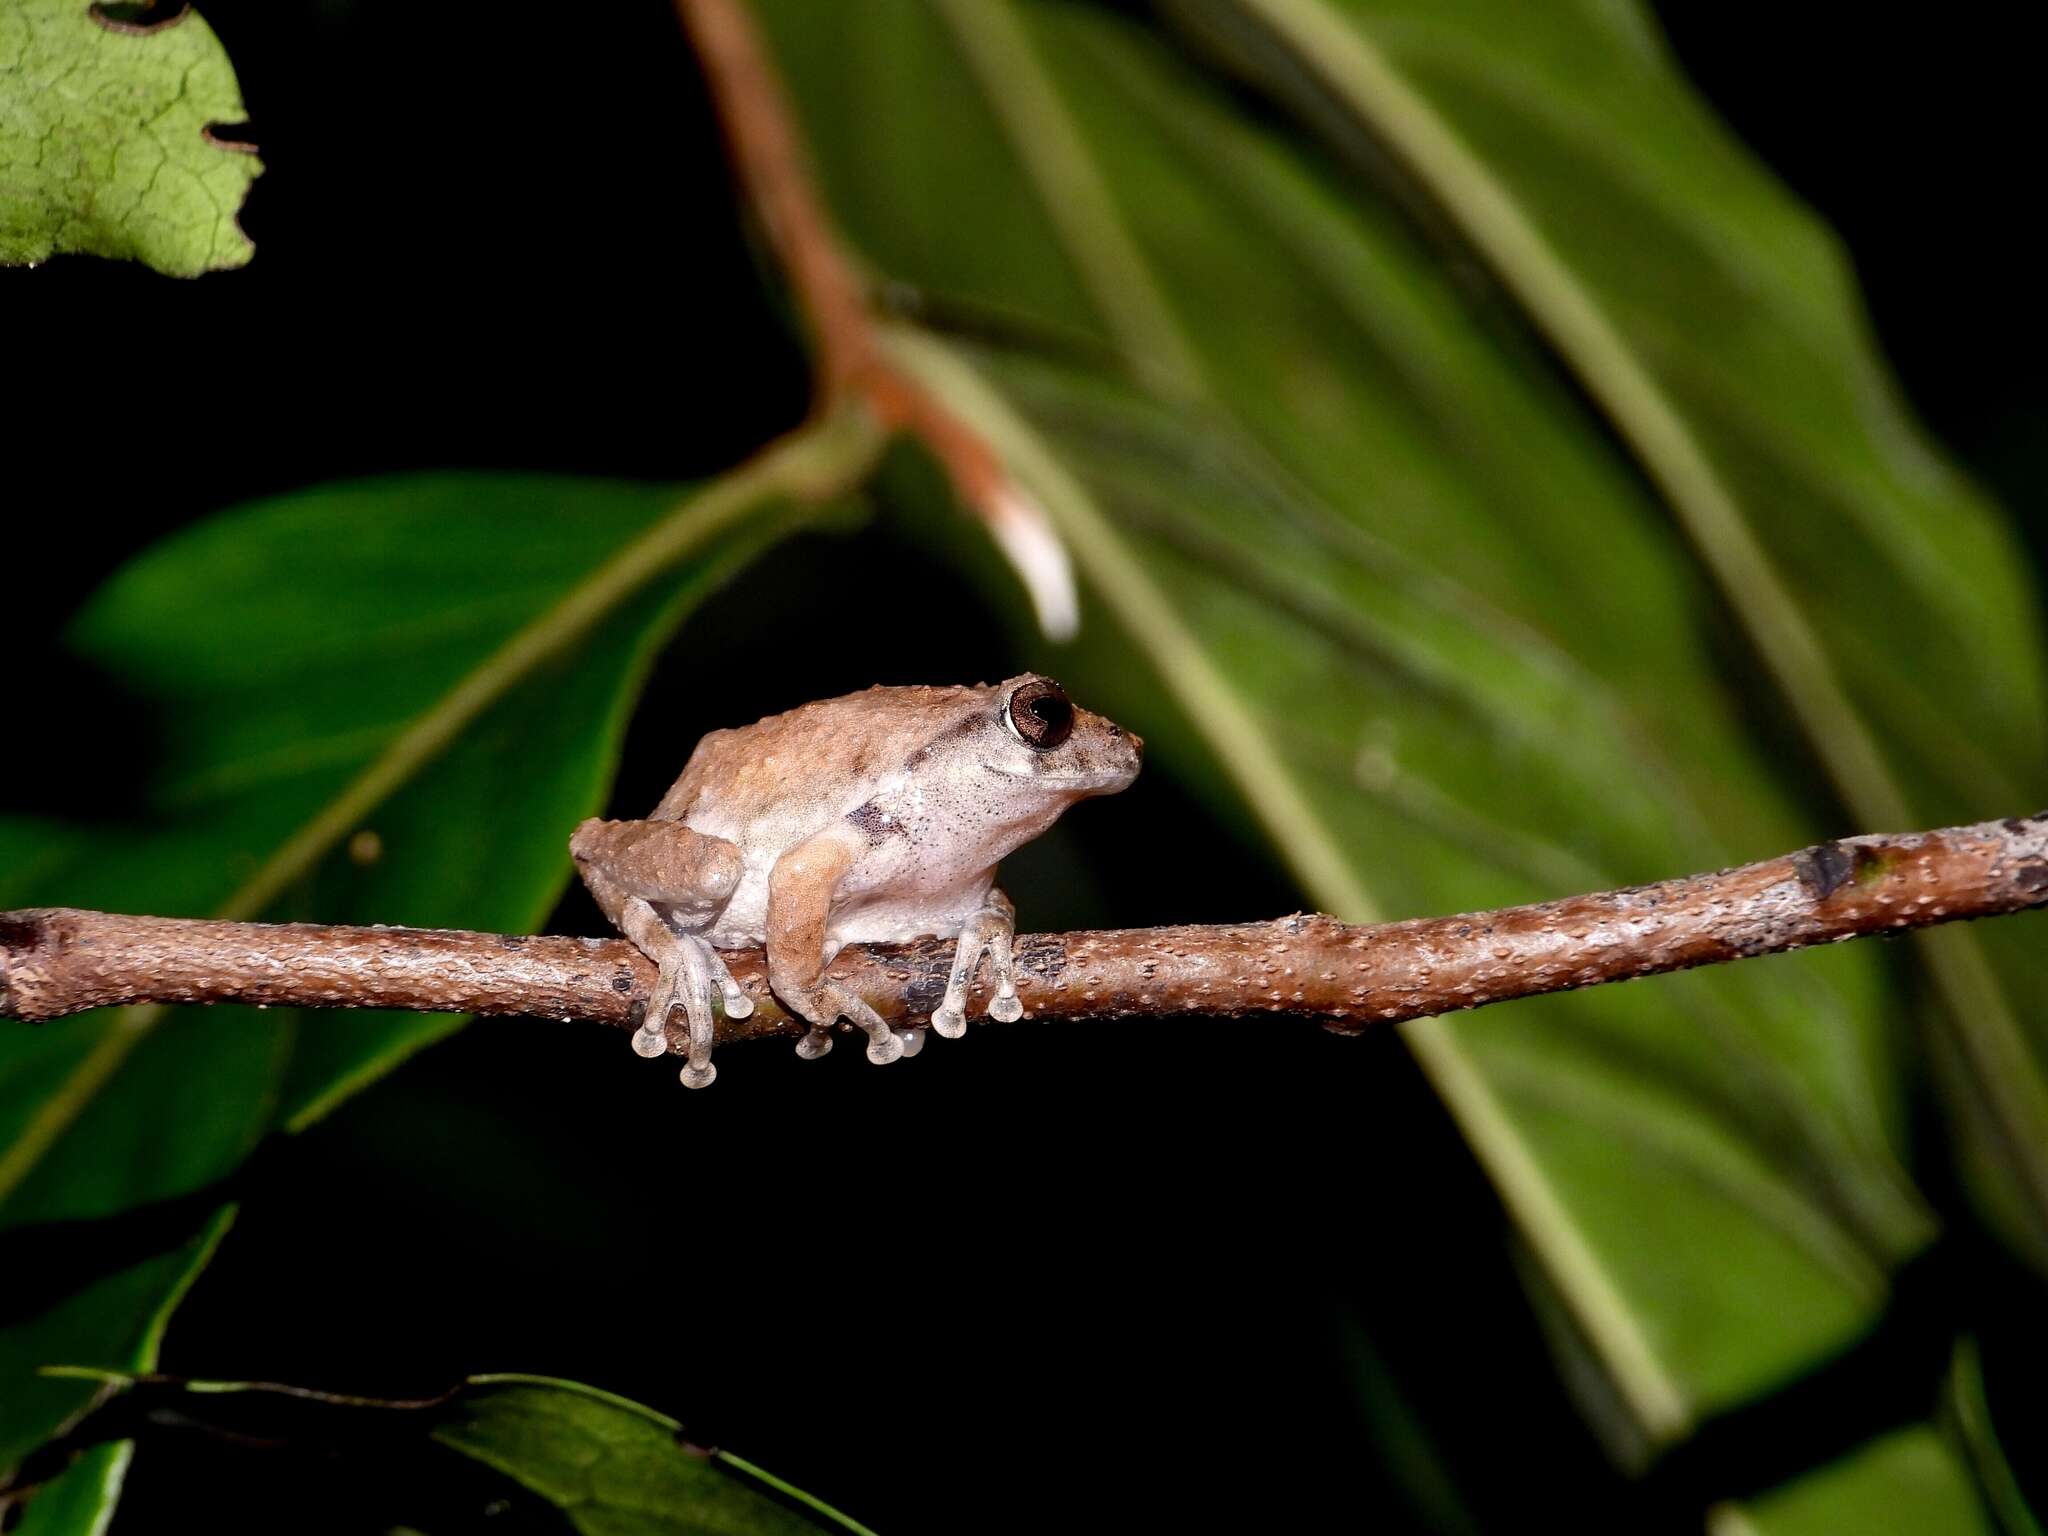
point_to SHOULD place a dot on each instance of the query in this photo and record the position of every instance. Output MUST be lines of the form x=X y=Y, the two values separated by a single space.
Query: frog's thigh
x=663 y=861
x=628 y=866
x=801 y=890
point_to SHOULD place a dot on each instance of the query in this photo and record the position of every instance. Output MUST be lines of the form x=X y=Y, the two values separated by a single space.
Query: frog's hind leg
x=801 y=888
x=989 y=931
x=629 y=866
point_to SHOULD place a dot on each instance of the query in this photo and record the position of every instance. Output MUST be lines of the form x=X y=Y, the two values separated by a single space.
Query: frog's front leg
x=989 y=931
x=630 y=866
x=801 y=889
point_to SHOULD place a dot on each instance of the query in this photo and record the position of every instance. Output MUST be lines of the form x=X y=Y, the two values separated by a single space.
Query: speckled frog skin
x=872 y=818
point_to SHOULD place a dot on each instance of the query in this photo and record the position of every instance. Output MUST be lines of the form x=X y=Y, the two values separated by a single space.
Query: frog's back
x=801 y=770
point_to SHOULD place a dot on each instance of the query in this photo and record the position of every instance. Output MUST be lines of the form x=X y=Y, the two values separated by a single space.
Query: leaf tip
x=1025 y=534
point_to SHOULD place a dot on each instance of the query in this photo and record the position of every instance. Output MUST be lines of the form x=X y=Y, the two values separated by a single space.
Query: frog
x=876 y=817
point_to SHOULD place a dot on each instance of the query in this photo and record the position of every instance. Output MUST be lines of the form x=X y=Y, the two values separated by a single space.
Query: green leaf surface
x=118 y=1323
x=1908 y=1481
x=1380 y=581
x=610 y=1466
x=1968 y=1415
x=616 y=1468
x=378 y=702
x=1715 y=322
x=104 y=142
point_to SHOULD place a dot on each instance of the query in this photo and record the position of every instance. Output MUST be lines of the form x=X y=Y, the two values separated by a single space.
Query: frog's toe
x=814 y=1044
x=651 y=1038
x=737 y=1004
x=698 y=966
x=913 y=1041
x=986 y=933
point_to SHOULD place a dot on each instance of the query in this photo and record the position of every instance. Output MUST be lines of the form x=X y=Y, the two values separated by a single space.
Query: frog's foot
x=689 y=972
x=832 y=1000
x=987 y=932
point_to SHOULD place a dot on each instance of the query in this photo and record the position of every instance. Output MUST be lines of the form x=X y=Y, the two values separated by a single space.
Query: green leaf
x=1908 y=1481
x=117 y=1322
x=1968 y=1412
x=616 y=1468
x=104 y=140
x=1716 y=324
x=379 y=702
x=612 y=1467
x=1378 y=580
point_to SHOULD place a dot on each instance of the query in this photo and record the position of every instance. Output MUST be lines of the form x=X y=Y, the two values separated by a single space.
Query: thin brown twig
x=769 y=159
x=58 y=961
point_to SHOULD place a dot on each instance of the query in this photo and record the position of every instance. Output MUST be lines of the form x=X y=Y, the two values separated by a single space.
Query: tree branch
x=57 y=961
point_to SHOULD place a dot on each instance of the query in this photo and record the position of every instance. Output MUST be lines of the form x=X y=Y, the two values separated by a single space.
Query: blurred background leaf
x=382 y=702
x=604 y=1465
x=1909 y=1481
x=1415 y=605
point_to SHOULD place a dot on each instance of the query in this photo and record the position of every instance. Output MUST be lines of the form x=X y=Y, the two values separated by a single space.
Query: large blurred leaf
x=1715 y=322
x=610 y=1466
x=1908 y=1481
x=104 y=146
x=435 y=672
x=1968 y=1414
x=1405 y=599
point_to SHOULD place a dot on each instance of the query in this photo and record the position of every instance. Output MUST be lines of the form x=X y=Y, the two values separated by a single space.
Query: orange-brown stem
x=774 y=171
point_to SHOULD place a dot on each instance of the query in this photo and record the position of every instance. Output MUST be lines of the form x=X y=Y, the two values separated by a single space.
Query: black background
x=1038 y=1279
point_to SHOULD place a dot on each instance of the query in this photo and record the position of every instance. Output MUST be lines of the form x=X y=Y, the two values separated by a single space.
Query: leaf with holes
x=1380 y=581
x=106 y=138
x=340 y=682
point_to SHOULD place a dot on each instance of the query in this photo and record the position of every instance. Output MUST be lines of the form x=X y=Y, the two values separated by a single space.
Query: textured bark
x=57 y=961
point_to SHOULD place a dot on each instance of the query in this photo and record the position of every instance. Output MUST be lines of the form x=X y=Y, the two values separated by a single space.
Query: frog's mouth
x=1108 y=779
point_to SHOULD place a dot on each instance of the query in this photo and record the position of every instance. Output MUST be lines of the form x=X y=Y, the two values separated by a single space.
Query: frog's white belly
x=937 y=903
x=919 y=866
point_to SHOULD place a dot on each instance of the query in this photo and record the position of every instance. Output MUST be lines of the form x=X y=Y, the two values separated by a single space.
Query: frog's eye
x=1039 y=715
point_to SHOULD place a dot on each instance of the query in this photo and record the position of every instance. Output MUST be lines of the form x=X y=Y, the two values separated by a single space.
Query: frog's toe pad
x=1008 y=1010
x=817 y=1043
x=883 y=1049
x=738 y=1005
x=699 y=1077
x=649 y=1041
x=949 y=1023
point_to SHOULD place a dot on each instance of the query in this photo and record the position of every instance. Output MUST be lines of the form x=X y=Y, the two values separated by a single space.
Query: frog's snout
x=1133 y=746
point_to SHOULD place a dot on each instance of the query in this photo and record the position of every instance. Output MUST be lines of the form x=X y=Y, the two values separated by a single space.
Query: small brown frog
x=873 y=818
